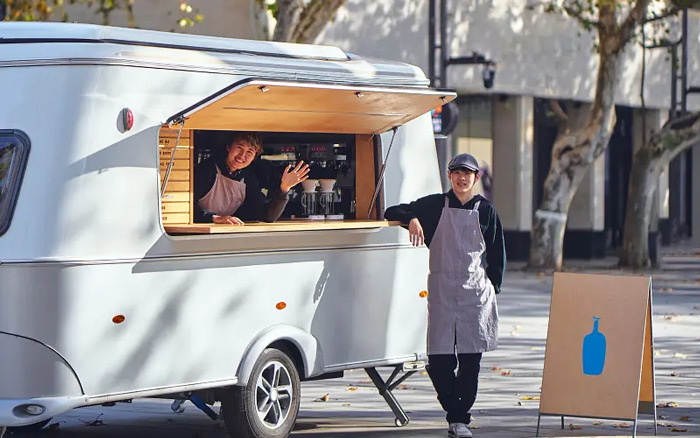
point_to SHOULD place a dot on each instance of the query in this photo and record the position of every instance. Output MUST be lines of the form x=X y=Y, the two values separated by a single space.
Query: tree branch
x=314 y=19
x=671 y=12
x=633 y=19
x=577 y=14
x=677 y=135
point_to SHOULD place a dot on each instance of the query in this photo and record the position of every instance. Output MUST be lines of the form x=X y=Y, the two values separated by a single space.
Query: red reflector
x=127 y=119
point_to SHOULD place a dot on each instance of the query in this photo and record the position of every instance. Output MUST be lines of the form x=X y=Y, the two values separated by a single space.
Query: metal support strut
x=385 y=390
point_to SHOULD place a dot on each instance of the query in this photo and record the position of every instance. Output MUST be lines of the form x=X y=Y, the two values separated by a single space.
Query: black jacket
x=428 y=210
x=256 y=207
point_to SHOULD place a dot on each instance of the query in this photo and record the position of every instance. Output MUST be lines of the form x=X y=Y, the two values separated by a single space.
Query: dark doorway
x=680 y=195
x=544 y=136
x=618 y=164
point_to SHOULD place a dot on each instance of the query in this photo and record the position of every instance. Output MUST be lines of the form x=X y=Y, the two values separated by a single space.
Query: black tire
x=28 y=429
x=268 y=405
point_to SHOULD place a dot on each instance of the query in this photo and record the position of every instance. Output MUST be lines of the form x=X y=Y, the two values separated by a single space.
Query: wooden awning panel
x=275 y=106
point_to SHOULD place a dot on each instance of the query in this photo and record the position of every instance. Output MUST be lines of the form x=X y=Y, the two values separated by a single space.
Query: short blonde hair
x=251 y=138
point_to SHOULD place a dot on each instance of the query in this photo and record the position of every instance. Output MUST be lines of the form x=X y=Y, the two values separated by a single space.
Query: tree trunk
x=572 y=155
x=675 y=137
x=288 y=15
x=642 y=183
x=301 y=21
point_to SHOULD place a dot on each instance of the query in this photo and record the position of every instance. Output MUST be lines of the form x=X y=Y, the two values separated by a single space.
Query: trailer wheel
x=30 y=428
x=268 y=405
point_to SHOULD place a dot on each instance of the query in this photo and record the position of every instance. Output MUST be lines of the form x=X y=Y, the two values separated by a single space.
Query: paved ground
x=509 y=375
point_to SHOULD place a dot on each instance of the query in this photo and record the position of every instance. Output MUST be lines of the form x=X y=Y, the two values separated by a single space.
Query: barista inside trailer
x=227 y=191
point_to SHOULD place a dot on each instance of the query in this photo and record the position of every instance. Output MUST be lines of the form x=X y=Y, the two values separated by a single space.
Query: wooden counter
x=265 y=227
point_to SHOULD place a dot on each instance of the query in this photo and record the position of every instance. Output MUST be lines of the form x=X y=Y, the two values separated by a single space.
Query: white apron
x=462 y=311
x=224 y=197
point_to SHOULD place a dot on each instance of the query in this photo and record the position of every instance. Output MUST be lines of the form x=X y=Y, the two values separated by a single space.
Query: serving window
x=337 y=195
x=333 y=128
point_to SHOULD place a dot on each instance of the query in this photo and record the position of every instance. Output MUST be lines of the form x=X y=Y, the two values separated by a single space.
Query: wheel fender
x=307 y=345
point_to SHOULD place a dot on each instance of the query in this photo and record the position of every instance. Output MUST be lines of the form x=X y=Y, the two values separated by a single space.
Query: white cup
x=327 y=185
x=309 y=185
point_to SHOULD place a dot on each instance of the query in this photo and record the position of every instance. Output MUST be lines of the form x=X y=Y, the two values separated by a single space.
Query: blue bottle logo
x=594 y=346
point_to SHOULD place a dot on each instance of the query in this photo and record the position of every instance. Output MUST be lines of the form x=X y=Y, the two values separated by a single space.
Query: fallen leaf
x=351 y=388
x=672 y=317
x=597 y=423
x=404 y=387
x=657 y=353
x=496 y=368
x=95 y=422
x=474 y=426
x=536 y=348
x=516 y=327
x=685 y=418
x=663 y=417
x=680 y=355
x=365 y=381
x=666 y=290
x=423 y=373
x=667 y=405
x=675 y=429
x=573 y=427
x=323 y=398
x=514 y=333
x=540 y=275
x=506 y=373
x=622 y=425
x=346 y=404
x=528 y=397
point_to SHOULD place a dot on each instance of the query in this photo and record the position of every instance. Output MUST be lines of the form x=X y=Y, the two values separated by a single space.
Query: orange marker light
x=118 y=319
x=281 y=305
x=423 y=293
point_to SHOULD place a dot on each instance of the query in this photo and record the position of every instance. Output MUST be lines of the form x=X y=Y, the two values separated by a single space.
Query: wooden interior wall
x=177 y=202
x=365 y=176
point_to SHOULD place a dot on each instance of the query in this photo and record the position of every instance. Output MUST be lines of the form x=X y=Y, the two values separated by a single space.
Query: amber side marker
x=423 y=293
x=118 y=319
x=281 y=305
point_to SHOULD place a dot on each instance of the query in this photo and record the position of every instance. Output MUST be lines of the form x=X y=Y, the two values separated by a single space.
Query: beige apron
x=462 y=311
x=224 y=197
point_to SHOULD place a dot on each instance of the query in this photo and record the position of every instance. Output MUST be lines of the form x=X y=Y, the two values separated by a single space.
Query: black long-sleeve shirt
x=428 y=210
x=256 y=206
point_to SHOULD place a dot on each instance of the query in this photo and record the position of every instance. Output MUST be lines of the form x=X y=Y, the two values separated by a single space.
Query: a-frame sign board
x=599 y=359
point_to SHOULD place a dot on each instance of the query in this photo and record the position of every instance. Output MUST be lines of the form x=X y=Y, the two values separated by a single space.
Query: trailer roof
x=86 y=42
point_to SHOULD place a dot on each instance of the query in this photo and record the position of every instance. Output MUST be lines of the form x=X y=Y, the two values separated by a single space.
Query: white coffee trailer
x=110 y=291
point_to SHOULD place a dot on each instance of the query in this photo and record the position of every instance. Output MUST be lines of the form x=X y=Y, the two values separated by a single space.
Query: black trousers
x=455 y=392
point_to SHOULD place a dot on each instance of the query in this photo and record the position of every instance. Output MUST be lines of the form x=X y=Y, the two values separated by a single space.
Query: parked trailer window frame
x=14 y=152
x=302 y=108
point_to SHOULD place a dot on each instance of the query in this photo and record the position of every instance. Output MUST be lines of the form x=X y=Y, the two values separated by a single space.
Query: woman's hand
x=228 y=220
x=293 y=176
x=415 y=230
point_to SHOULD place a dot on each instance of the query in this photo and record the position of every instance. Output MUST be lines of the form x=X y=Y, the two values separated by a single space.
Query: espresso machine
x=329 y=191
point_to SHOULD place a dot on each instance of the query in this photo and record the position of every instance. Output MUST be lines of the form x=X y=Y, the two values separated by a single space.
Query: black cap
x=463 y=161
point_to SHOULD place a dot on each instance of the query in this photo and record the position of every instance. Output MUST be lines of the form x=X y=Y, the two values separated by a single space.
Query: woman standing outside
x=467 y=262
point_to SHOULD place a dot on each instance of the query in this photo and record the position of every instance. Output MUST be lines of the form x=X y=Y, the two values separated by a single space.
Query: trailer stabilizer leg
x=385 y=390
